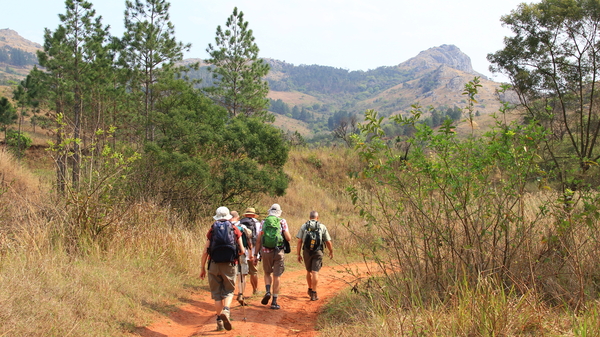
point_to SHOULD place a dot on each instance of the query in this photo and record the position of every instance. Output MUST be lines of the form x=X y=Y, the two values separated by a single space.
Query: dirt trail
x=297 y=316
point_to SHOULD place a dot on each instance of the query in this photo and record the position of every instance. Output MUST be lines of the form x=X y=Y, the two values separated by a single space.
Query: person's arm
x=329 y=245
x=240 y=244
x=204 y=259
x=258 y=246
x=287 y=236
x=299 y=250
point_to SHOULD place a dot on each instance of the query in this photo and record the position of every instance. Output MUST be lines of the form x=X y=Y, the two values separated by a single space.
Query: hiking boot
x=309 y=292
x=266 y=299
x=313 y=296
x=226 y=320
x=220 y=326
x=240 y=299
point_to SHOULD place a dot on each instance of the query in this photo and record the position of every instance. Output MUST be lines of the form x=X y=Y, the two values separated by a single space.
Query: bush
x=18 y=142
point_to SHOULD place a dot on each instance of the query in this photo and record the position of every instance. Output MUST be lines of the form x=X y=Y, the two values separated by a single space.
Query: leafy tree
x=239 y=73
x=552 y=61
x=203 y=157
x=8 y=115
x=150 y=51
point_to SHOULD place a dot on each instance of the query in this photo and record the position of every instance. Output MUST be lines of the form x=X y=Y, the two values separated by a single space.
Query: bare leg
x=314 y=280
x=254 y=282
x=275 y=285
x=268 y=279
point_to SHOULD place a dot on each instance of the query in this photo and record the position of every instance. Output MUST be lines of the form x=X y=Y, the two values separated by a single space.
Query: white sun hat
x=275 y=210
x=222 y=214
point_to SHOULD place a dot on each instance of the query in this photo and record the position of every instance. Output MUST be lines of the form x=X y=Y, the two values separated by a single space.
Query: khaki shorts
x=273 y=262
x=221 y=279
x=314 y=261
x=252 y=269
x=244 y=264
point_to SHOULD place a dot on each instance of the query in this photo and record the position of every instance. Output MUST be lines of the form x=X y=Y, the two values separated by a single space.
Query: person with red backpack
x=223 y=247
x=270 y=244
x=312 y=237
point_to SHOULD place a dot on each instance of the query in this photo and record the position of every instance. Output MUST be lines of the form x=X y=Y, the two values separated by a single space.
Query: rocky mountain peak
x=448 y=55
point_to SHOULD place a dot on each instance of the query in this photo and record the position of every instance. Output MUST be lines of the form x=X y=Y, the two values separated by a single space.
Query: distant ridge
x=11 y=38
x=433 y=78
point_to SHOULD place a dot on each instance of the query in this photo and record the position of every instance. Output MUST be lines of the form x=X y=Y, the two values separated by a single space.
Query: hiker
x=311 y=238
x=249 y=220
x=245 y=259
x=224 y=245
x=270 y=245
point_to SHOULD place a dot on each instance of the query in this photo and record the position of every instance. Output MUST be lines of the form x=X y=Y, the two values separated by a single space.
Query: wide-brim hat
x=275 y=210
x=222 y=214
x=250 y=211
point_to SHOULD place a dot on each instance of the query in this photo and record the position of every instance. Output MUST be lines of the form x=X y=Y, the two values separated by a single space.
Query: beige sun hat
x=250 y=211
x=222 y=214
x=275 y=210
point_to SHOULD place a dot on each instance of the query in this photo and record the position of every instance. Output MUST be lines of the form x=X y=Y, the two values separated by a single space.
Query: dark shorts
x=313 y=261
x=273 y=262
x=221 y=279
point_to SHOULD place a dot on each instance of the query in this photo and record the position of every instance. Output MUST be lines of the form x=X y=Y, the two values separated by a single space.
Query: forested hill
x=306 y=97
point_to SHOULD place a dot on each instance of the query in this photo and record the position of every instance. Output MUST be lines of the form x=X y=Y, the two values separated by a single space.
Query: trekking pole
x=242 y=292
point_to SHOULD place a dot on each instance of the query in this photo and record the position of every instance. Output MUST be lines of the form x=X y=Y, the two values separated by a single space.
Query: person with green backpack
x=312 y=237
x=270 y=244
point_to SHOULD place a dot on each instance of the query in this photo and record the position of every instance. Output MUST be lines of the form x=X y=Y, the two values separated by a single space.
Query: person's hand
x=299 y=258
x=203 y=274
x=331 y=254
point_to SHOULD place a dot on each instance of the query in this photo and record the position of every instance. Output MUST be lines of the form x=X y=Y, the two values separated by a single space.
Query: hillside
x=434 y=78
x=17 y=56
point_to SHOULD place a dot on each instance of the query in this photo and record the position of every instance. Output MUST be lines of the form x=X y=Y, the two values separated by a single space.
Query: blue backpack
x=223 y=247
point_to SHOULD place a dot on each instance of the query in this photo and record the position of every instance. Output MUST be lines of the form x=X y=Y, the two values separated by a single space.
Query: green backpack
x=271 y=229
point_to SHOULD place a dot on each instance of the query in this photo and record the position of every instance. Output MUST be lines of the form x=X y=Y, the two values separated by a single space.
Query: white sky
x=348 y=34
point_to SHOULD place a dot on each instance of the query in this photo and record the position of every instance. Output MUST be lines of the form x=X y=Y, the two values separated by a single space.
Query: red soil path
x=297 y=316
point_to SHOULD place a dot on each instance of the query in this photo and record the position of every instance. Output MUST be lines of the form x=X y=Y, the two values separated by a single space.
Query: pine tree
x=150 y=51
x=8 y=115
x=239 y=74
x=70 y=56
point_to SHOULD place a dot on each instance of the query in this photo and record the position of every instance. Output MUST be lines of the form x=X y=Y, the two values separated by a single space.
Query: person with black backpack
x=223 y=247
x=270 y=244
x=249 y=220
x=312 y=236
x=245 y=259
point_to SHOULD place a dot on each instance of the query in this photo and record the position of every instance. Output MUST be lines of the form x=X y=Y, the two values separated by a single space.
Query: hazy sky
x=348 y=34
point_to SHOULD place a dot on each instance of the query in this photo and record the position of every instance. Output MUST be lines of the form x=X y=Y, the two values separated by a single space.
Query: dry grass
x=319 y=178
x=148 y=261
x=143 y=264
x=293 y=98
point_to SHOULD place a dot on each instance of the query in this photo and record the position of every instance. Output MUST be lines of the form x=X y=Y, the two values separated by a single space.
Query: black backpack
x=251 y=225
x=313 y=240
x=223 y=247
